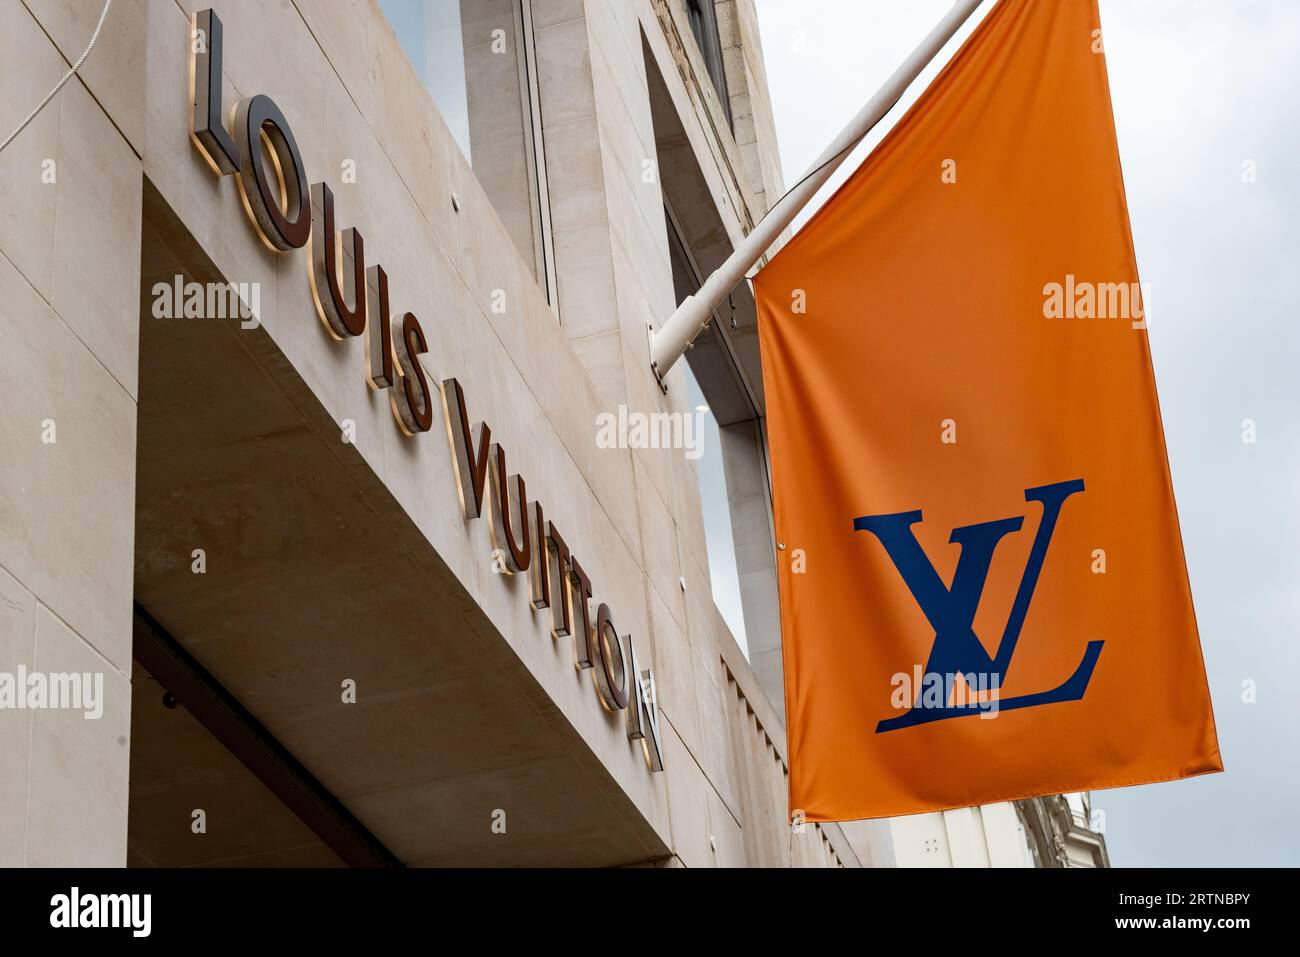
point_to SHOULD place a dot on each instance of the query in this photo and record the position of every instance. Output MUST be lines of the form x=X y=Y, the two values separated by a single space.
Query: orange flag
x=983 y=589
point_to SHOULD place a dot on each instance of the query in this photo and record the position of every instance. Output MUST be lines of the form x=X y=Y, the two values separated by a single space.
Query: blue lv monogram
x=951 y=611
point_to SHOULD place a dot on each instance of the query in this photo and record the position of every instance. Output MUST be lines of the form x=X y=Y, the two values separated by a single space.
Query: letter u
x=330 y=295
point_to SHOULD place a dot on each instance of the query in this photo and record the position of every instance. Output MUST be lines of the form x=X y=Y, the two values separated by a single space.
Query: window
x=726 y=469
x=715 y=504
x=476 y=58
x=704 y=24
x=722 y=367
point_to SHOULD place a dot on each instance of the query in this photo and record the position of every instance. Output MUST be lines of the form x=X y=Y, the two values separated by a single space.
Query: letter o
x=611 y=672
x=286 y=228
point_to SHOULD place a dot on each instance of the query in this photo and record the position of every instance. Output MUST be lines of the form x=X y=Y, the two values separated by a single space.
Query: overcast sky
x=1199 y=87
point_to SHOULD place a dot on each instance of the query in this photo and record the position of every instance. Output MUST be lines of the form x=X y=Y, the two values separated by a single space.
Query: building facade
x=336 y=477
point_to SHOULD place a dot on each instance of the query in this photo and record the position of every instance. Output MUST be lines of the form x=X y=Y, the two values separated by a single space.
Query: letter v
x=956 y=650
x=471 y=467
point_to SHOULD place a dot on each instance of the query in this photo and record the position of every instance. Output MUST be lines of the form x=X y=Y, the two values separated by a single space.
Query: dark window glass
x=704 y=24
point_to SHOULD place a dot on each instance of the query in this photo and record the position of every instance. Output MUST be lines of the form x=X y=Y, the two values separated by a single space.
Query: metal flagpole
x=669 y=342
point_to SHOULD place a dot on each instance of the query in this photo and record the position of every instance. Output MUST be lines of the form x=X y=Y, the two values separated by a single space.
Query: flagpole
x=669 y=342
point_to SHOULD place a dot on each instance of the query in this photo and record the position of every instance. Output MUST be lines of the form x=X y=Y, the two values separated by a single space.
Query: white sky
x=1199 y=86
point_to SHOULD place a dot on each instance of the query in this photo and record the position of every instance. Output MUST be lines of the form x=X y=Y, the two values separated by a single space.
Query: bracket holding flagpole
x=695 y=312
